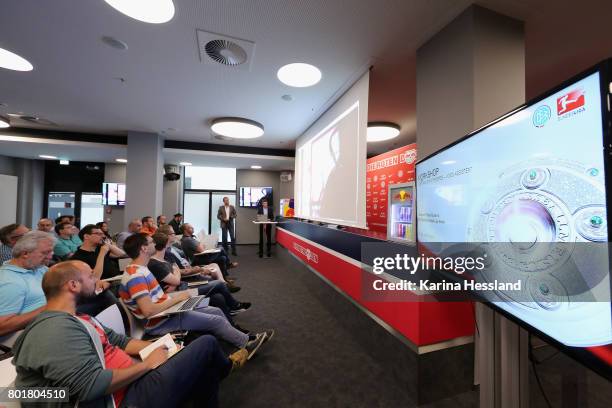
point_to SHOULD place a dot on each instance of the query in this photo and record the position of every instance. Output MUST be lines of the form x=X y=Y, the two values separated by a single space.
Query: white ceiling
x=31 y=148
x=74 y=83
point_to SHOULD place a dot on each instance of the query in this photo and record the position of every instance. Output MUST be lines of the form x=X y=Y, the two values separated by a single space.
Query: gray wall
x=467 y=75
x=8 y=166
x=30 y=187
x=246 y=231
x=114 y=173
x=172 y=197
x=144 y=175
x=286 y=189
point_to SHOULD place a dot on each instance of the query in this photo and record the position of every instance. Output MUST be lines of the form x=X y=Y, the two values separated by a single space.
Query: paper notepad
x=208 y=251
x=166 y=341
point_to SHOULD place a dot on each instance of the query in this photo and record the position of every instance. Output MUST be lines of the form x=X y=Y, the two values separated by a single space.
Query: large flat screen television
x=250 y=196
x=113 y=194
x=540 y=174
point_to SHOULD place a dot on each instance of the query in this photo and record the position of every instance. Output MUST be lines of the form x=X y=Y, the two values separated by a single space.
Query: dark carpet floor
x=313 y=361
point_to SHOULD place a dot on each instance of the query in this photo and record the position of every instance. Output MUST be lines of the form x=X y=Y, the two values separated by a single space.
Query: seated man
x=191 y=246
x=94 y=363
x=98 y=252
x=168 y=275
x=133 y=227
x=9 y=235
x=148 y=225
x=142 y=294
x=176 y=256
x=45 y=225
x=67 y=242
x=21 y=296
x=175 y=223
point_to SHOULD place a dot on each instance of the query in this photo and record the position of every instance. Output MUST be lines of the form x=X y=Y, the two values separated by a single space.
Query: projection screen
x=330 y=163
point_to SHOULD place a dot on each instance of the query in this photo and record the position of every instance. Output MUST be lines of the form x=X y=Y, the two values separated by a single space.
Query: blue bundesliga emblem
x=541 y=116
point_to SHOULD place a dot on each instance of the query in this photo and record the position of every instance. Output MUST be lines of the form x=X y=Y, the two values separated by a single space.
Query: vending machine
x=401 y=213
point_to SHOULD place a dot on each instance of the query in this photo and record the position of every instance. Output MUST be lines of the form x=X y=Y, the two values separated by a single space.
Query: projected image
x=250 y=196
x=113 y=194
x=328 y=183
x=535 y=177
x=330 y=162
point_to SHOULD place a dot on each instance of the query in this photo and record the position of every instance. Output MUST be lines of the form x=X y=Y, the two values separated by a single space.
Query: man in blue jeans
x=145 y=298
x=94 y=363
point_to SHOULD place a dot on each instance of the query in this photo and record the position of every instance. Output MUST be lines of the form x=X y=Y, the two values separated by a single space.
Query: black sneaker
x=242 y=307
x=253 y=345
x=245 y=331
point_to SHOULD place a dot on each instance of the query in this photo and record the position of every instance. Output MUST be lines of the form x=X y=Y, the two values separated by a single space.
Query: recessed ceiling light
x=64 y=162
x=121 y=160
x=256 y=167
x=46 y=156
x=299 y=75
x=4 y=122
x=10 y=60
x=185 y=164
x=379 y=131
x=237 y=128
x=148 y=11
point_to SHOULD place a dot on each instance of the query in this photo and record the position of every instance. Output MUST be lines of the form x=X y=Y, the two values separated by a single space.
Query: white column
x=144 y=175
x=468 y=74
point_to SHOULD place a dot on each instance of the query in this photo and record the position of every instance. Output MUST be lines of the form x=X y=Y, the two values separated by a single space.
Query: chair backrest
x=9 y=339
x=136 y=325
x=111 y=318
x=123 y=262
x=8 y=373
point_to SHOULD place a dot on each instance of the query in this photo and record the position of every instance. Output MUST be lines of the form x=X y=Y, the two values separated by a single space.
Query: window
x=204 y=190
x=210 y=178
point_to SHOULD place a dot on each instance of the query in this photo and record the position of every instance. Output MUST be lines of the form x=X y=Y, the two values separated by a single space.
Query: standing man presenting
x=226 y=216
x=265 y=212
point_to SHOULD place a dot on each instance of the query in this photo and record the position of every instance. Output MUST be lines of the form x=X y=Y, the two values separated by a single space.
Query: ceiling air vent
x=225 y=52
x=220 y=49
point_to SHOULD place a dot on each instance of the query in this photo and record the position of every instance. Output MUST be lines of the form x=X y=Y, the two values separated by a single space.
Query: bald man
x=95 y=364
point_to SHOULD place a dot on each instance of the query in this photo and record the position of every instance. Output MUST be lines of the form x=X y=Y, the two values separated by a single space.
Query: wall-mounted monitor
x=113 y=194
x=250 y=196
x=536 y=176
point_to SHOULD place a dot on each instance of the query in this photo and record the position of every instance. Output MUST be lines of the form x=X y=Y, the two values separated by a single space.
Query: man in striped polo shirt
x=143 y=295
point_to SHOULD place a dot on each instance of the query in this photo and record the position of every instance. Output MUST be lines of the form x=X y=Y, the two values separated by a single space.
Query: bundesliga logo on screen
x=570 y=104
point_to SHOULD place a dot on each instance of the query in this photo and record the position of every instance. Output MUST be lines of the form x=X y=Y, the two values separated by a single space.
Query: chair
x=123 y=262
x=136 y=325
x=111 y=318
x=7 y=341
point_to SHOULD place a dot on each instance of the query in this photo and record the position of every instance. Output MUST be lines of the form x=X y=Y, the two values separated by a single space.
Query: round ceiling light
x=10 y=60
x=299 y=75
x=379 y=131
x=237 y=128
x=148 y=11
x=4 y=122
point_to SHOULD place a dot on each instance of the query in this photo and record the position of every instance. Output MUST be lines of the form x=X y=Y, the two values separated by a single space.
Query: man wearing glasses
x=98 y=252
x=9 y=235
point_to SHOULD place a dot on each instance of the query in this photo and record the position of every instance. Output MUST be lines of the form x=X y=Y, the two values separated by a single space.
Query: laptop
x=262 y=218
x=185 y=306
